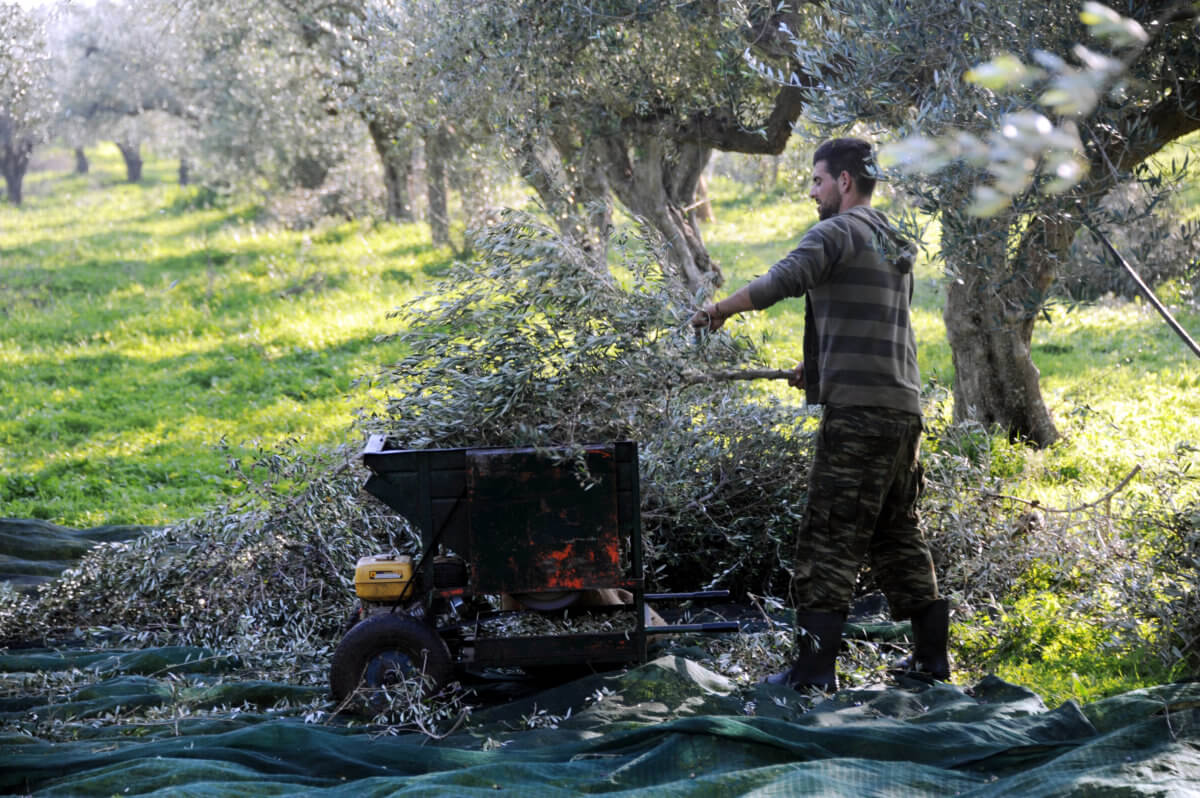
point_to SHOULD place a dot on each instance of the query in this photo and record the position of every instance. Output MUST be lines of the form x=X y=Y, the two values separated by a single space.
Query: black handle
x=699 y=594
x=704 y=628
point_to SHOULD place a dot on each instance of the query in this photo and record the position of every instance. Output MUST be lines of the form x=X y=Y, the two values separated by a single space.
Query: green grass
x=147 y=336
x=145 y=339
x=1063 y=657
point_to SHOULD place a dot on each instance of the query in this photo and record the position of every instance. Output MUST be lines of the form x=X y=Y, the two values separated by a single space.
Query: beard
x=828 y=209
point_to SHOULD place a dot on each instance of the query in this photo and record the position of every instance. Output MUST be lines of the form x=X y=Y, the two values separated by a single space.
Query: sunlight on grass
x=1123 y=390
x=142 y=334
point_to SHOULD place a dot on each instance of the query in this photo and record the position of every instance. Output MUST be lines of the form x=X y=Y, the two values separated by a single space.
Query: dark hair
x=849 y=155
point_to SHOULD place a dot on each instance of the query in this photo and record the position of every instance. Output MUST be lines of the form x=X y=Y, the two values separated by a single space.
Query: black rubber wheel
x=385 y=649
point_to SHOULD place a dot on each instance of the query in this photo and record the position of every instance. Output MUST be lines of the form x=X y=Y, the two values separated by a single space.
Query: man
x=860 y=362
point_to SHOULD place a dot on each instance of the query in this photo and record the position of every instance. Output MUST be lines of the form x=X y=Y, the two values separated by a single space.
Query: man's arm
x=714 y=314
x=807 y=265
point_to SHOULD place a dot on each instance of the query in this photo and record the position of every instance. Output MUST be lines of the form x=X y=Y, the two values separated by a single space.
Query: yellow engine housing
x=384 y=577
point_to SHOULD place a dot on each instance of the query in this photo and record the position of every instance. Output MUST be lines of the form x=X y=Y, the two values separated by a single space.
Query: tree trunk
x=14 y=176
x=436 y=144
x=133 y=161
x=309 y=172
x=991 y=304
x=396 y=155
x=418 y=191
x=569 y=179
x=702 y=203
x=397 y=171
x=655 y=178
x=16 y=149
x=81 y=161
x=14 y=164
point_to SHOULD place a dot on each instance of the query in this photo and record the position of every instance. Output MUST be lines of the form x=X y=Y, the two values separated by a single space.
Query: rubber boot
x=816 y=663
x=931 y=633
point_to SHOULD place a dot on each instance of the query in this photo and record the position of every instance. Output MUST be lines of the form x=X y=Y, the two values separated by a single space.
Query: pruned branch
x=1102 y=500
x=730 y=376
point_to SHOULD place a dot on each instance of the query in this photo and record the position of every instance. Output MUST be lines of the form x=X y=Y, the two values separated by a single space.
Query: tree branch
x=730 y=376
x=1165 y=121
x=722 y=133
x=1089 y=505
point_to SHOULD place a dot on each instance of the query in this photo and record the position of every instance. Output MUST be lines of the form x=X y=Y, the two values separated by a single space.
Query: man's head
x=843 y=176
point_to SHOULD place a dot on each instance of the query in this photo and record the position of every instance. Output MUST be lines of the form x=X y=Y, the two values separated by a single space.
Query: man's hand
x=713 y=315
x=709 y=317
x=796 y=378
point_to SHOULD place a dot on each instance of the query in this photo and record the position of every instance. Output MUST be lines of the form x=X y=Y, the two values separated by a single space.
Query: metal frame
x=457 y=498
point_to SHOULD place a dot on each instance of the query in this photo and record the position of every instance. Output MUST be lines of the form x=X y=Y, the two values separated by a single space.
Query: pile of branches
x=533 y=345
x=268 y=577
x=528 y=346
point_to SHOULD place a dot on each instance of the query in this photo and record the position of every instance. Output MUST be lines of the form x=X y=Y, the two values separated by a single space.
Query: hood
x=898 y=250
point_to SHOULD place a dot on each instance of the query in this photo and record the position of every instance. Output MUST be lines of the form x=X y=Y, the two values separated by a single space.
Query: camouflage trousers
x=863 y=487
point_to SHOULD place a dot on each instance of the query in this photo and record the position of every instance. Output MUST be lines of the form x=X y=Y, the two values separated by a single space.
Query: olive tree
x=26 y=103
x=113 y=67
x=375 y=55
x=900 y=68
x=596 y=100
x=233 y=89
x=266 y=115
x=340 y=45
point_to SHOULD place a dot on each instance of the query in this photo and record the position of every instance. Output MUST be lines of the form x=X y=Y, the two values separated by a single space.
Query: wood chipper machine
x=506 y=533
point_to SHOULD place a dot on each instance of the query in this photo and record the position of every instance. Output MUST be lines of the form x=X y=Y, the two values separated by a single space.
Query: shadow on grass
x=38 y=249
x=106 y=379
x=232 y=217
x=54 y=183
x=1147 y=342
x=100 y=445
x=91 y=279
x=196 y=199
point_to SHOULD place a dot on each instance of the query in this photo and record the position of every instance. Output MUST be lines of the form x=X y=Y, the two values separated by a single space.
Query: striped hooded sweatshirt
x=855 y=271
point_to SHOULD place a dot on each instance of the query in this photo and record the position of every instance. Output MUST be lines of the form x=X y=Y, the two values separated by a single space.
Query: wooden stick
x=1146 y=291
x=730 y=376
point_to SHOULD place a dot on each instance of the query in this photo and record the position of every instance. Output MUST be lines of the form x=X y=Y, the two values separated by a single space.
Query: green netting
x=33 y=551
x=669 y=727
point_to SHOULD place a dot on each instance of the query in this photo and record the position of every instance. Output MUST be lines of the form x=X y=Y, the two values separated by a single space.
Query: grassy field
x=147 y=337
